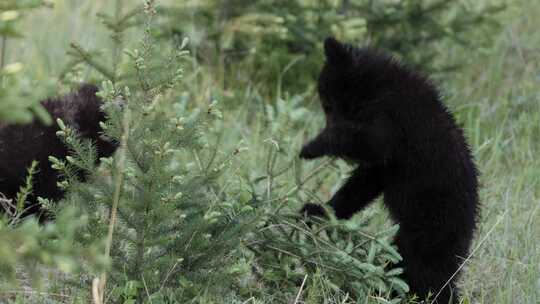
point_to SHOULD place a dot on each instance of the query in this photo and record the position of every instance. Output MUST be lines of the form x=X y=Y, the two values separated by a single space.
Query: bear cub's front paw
x=315 y=210
x=308 y=152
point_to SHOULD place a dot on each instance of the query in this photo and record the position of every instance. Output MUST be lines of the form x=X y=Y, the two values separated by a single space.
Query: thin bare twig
x=300 y=290
x=116 y=198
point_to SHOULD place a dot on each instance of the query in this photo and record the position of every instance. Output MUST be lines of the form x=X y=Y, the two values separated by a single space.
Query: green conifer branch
x=87 y=57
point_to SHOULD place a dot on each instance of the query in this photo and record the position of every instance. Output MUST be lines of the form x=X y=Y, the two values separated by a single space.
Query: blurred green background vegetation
x=260 y=60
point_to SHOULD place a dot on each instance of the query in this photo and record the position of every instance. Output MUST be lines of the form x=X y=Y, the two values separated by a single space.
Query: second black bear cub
x=20 y=144
x=391 y=121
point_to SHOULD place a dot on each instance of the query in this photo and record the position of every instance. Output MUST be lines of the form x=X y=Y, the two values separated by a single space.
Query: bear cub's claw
x=315 y=210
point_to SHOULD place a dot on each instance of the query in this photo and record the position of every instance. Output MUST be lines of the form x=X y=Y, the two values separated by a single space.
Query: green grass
x=496 y=97
x=500 y=108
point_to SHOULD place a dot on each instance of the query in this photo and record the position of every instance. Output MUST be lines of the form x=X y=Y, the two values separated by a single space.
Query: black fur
x=20 y=144
x=391 y=121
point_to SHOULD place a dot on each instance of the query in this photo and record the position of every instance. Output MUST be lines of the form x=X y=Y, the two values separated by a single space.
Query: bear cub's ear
x=336 y=52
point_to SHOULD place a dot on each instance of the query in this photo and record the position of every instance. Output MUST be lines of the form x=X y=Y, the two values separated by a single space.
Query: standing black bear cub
x=390 y=120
